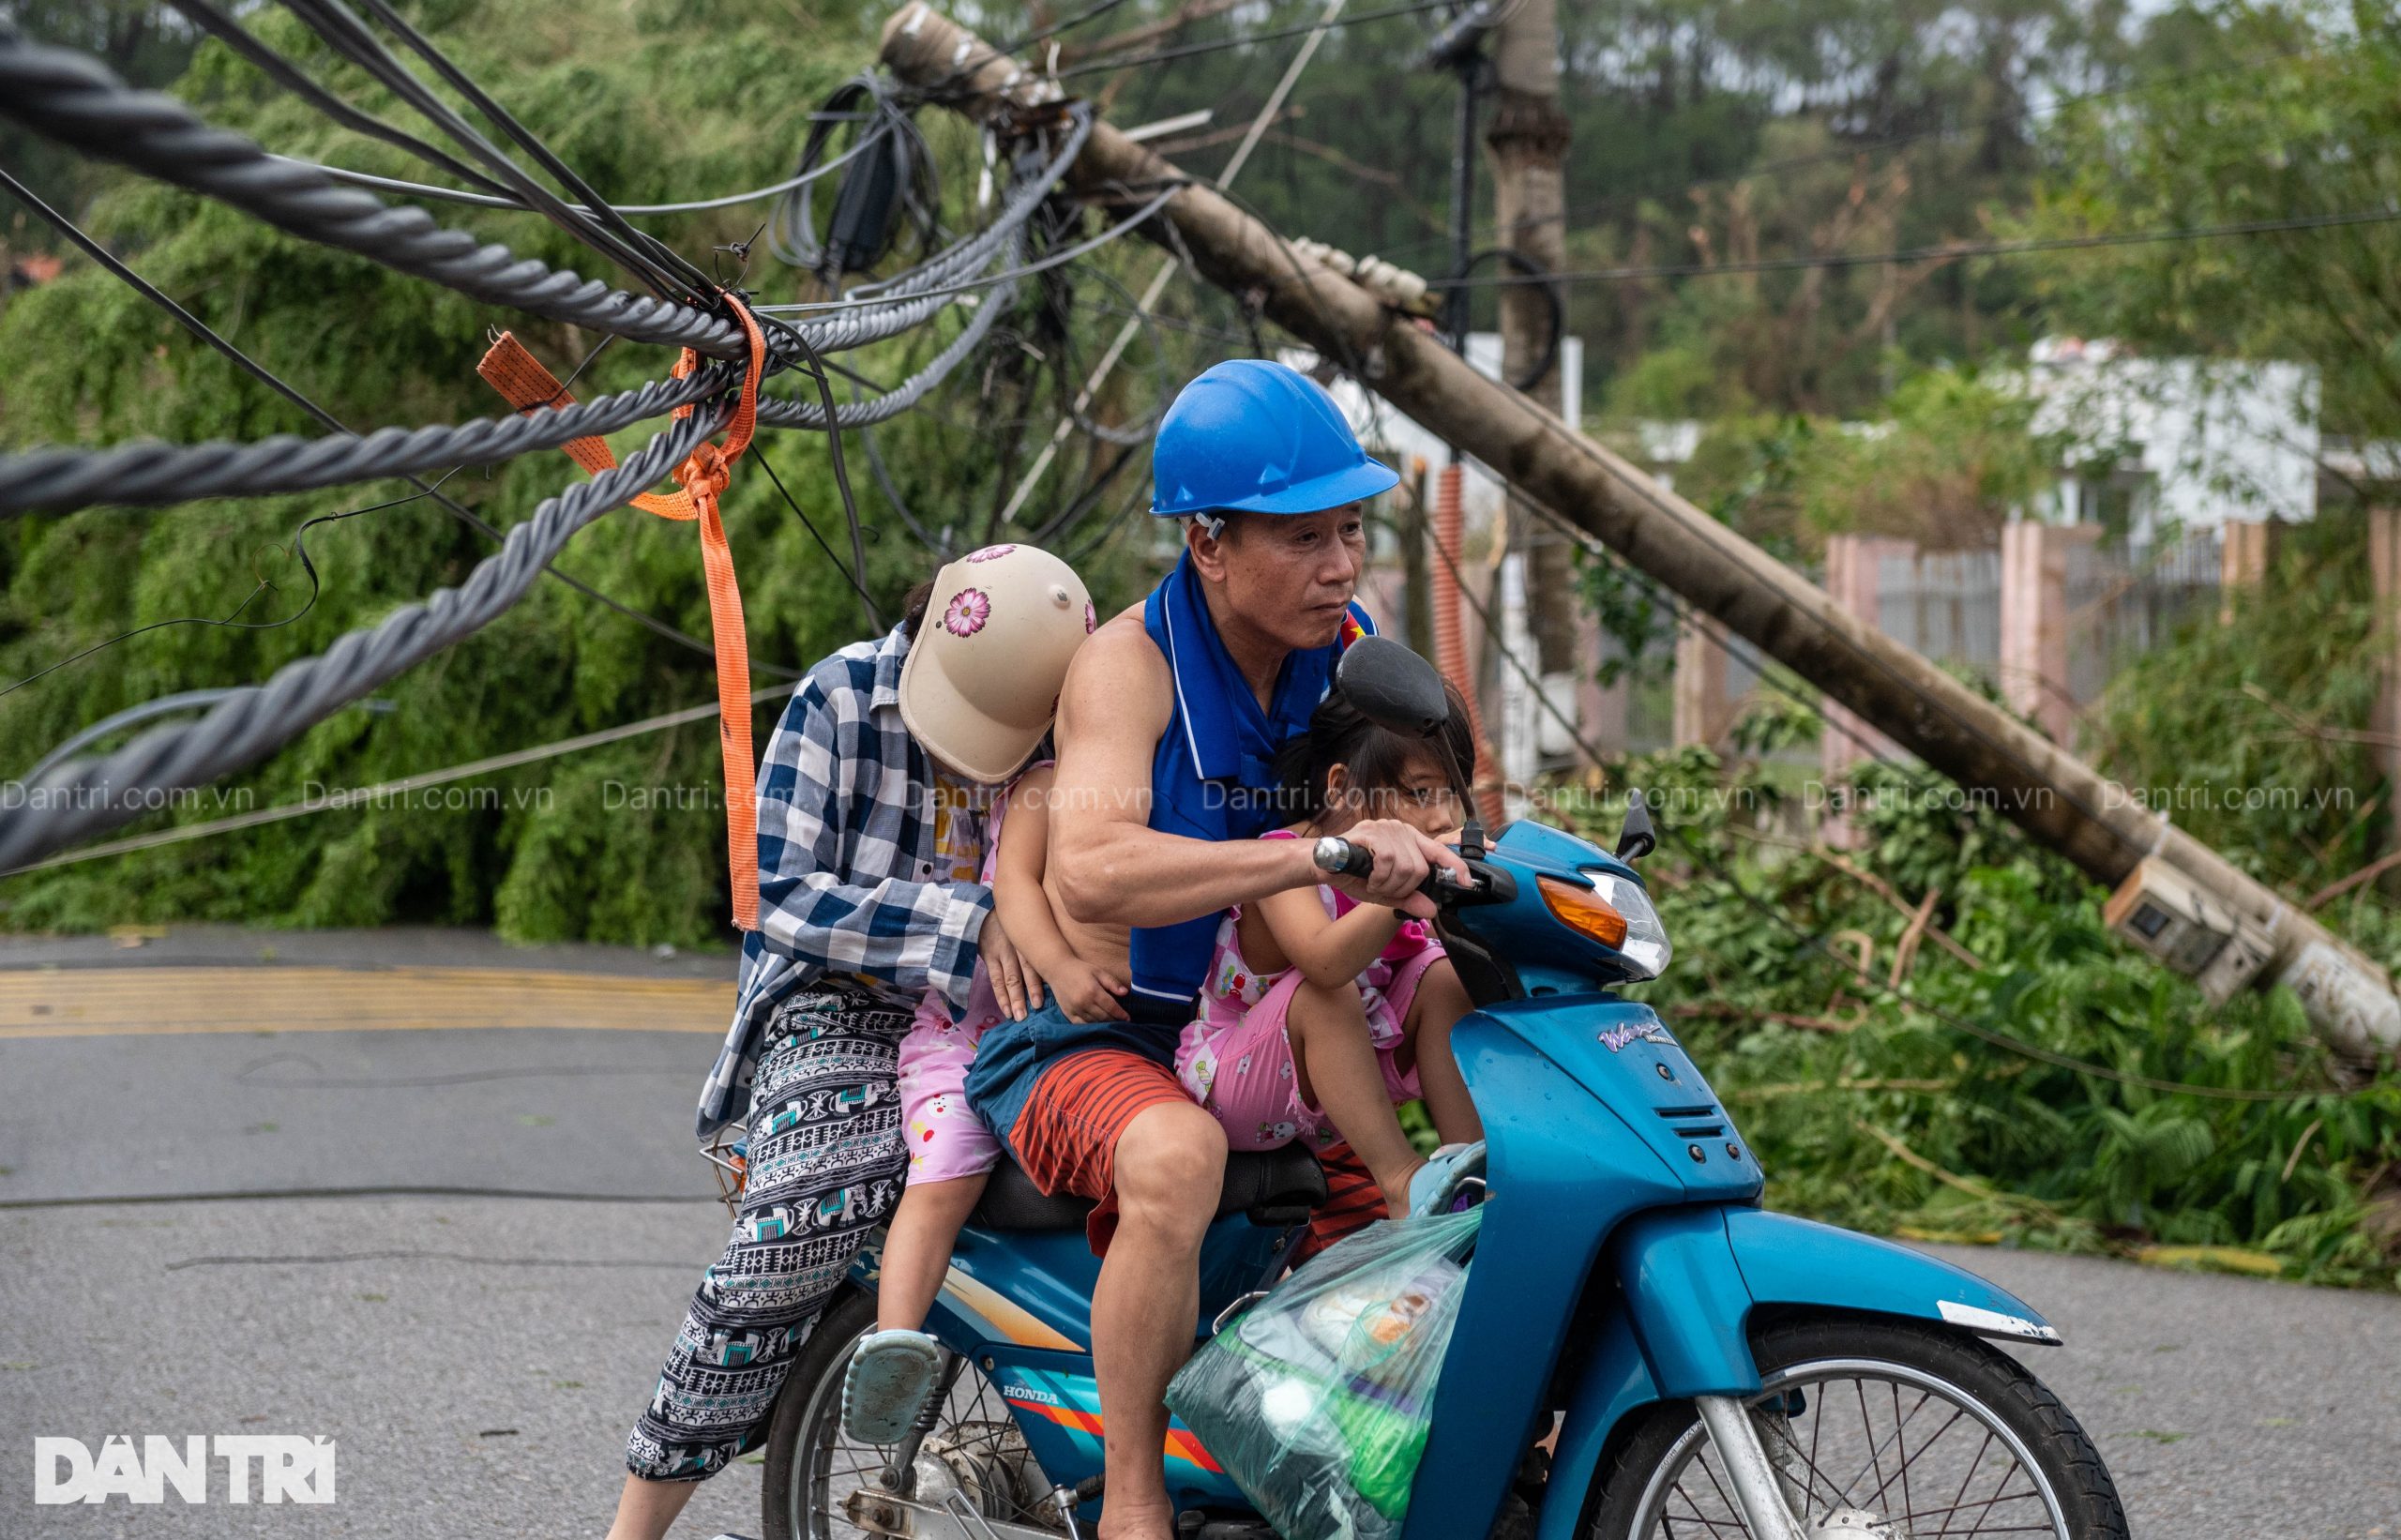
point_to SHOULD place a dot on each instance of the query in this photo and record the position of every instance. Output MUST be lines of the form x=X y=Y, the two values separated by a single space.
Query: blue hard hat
x=1257 y=437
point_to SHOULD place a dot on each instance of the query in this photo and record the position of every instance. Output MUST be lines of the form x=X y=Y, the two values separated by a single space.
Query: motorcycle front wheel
x=1879 y=1430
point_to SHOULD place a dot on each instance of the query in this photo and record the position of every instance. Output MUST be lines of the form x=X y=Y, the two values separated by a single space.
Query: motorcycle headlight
x=1646 y=944
x=1616 y=913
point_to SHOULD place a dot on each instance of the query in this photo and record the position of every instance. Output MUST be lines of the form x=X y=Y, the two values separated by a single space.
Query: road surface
x=477 y=1358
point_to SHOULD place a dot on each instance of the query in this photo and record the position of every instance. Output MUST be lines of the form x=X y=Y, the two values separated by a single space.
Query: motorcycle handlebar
x=1359 y=861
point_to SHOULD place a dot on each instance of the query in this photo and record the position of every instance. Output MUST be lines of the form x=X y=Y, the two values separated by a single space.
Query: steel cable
x=87 y=796
x=150 y=475
x=76 y=99
x=201 y=329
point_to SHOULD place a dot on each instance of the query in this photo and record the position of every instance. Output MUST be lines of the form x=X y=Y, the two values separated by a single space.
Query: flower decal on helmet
x=1092 y=618
x=970 y=608
x=989 y=553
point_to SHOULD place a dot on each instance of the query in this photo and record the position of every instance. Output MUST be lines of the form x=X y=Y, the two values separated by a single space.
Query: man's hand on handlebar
x=1404 y=856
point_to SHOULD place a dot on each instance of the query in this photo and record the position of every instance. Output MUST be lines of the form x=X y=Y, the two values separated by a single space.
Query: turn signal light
x=1583 y=911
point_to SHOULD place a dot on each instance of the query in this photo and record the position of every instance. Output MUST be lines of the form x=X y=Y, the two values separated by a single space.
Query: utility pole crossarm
x=2060 y=801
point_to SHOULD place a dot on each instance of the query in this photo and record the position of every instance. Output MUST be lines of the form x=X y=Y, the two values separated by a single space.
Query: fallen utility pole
x=2177 y=897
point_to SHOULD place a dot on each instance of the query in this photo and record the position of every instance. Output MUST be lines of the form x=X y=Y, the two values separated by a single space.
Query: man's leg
x=1171 y=1164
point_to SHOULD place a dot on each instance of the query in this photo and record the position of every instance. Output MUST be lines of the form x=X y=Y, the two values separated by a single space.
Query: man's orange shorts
x=1079 y=1107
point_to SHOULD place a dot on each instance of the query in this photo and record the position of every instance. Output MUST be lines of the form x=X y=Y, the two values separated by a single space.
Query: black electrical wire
x=592 y=202
x=815 y=366
x=349 y=37
x=1248 y=38
x=1950 y=252
x=75 y=99
x=290 y=76
x=504 y=200
x=792 y=232
x=1091 y=12
x=1054 y=259
x=208 y=334
x=1534 y=270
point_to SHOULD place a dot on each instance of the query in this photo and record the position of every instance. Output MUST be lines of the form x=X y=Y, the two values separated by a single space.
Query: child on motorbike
x=951 y=1153
x=1321 y=1015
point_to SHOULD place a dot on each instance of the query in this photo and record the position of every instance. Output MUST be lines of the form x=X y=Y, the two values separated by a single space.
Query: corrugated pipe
x=1450 y=645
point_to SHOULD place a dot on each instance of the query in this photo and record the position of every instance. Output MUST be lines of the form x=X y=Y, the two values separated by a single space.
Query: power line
x=1249 y=39
x=481 y=200
x=85 y=797
x=1851 y=152
x=1950 y=252
x=274 y=382
x=386 y=791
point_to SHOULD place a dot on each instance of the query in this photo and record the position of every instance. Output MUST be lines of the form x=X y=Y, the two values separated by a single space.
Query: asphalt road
x=479 y=1358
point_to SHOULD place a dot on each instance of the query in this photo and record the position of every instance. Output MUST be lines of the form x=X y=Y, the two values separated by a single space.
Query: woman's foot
x=890 y=1377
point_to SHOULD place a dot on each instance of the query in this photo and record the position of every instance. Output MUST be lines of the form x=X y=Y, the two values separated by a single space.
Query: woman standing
x=871 y=803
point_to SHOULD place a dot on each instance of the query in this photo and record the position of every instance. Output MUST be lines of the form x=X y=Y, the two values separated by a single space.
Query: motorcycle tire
x=1628 y=1502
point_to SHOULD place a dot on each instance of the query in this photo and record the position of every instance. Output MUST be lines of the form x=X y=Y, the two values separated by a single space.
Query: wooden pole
x=2059 y=800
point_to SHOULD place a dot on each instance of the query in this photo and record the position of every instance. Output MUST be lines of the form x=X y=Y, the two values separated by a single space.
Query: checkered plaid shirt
x=846 y=855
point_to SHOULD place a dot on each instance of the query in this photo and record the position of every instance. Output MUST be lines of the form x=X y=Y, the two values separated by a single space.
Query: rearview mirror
x=1637 y=838
x=1393 y=688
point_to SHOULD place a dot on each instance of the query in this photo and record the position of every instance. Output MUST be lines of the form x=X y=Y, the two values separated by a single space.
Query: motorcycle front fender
x=1692 y=1278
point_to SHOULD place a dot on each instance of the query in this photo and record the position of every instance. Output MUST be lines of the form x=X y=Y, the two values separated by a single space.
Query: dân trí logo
x=289 y=1468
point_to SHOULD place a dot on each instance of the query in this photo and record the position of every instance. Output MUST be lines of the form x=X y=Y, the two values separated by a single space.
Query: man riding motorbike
x=1167 y=736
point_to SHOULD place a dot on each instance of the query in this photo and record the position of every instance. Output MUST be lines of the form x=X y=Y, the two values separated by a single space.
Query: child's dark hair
x=1374 y=757
x=913 y=607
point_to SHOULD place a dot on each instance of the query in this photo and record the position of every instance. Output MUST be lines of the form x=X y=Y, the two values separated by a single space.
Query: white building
x=2187 y=441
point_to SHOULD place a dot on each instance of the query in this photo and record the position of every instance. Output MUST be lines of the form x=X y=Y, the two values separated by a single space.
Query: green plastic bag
x=1317 y=1400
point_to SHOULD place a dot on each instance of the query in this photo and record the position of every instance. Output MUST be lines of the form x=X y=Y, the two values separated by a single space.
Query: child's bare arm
x=1016 y=879
x=1018 y=896
x=1327 y=952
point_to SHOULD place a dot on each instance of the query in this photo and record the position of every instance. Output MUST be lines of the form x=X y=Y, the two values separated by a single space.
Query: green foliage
x=1831 y=1078
x=2248 y=736
x=2289 y=110
x=657 y=100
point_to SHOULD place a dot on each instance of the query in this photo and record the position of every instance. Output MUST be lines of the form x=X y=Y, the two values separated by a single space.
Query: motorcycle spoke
x=1901 y=1423
x=1896 y=1431
x=1840 y=1496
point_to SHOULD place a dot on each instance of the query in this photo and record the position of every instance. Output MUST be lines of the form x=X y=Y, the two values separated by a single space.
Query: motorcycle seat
x=1275 y=1188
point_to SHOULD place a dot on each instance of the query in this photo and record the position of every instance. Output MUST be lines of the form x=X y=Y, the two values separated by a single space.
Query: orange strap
x=522 y=379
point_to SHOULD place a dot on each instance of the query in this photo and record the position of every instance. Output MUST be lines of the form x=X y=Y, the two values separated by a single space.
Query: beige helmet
x=982 y=681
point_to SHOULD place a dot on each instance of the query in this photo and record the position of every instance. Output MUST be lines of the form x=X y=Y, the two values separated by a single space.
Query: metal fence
x=2121 y=600
x=1945 y=604
x=2126 y=600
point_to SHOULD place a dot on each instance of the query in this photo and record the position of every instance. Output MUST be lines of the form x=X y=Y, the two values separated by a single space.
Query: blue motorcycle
x=1642 y=1350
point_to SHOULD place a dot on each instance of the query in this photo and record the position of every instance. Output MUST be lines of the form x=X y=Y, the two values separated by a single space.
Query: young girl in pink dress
x=1320 y=1013
x=951 y=1153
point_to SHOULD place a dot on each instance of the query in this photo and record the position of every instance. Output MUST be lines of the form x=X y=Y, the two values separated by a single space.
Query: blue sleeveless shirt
x=1212 y=776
